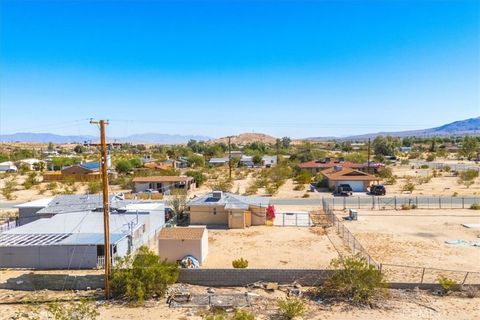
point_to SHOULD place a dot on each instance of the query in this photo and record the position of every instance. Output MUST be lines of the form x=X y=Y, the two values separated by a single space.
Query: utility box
x=353 y=214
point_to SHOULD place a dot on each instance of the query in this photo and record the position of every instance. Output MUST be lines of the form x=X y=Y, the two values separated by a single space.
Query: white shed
x=177 y=242
x=8 y=166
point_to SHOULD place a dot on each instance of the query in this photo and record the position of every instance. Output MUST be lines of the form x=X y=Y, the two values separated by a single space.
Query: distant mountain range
x=135 y=138
x=457 y=128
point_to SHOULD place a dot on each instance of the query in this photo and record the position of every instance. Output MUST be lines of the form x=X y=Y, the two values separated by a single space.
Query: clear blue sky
x=312 y=68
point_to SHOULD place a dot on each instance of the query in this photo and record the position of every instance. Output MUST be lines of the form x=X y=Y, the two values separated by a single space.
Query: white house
x=8 y=166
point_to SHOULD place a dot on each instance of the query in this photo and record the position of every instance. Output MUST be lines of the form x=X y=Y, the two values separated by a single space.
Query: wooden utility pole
x=229 y=158
x=106 y=210
x=368 y=163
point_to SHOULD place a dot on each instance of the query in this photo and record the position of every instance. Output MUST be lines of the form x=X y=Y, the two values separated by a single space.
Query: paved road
x=366 y=202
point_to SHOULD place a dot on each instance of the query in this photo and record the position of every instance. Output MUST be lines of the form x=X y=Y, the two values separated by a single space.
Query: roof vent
x=338 y=168
x=217 y=194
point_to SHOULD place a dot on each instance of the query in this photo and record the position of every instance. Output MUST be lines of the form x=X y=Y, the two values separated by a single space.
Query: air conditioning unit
x=217 y=194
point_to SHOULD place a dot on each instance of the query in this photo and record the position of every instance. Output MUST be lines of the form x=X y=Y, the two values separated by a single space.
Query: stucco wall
x=201 y=215
x=174 y=249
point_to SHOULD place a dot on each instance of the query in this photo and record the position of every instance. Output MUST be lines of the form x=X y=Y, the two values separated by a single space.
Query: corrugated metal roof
x=81 y=227
x=163 y=179
x=229 y=199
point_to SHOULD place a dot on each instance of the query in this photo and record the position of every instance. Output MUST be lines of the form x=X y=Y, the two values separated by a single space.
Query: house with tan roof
x=358 y=180
x=163 y=184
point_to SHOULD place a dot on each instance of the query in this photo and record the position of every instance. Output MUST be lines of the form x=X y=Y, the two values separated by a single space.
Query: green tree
x=79 y=149
x=142 y=276
x=470 y=147
x=136 y=162
x=199 y=177
x=385 y=146
x=257 y=159
x=196 y=160
x=123 y=166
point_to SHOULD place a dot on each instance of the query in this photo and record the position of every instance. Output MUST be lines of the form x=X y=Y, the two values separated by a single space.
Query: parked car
x=378 y=190
x=149 y=191
x=343 y=190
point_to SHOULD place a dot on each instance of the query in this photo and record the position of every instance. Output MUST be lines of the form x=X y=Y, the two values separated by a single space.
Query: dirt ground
x=414 y=304
x=270 y=247
x=417 y=237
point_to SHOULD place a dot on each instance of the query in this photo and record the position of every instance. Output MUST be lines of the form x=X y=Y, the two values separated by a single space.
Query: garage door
x=357 y=186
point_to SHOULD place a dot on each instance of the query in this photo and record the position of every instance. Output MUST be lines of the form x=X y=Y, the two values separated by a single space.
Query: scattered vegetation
x=83 y=310
x=240 y=263
x=408 y=187
x=94 y=187
x=447 y=284
x=291 y=308
x=354 y=279
x=142 y=276
x=467 y=177
x=8 y=189
x=475 y=206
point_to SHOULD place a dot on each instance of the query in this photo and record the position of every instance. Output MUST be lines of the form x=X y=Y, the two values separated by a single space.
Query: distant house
x=218 y=161
x=405 y=149
x=163 y=184
x=31 y=163
x=88 y=171
x=269 y=161
x=358 y=180
x=226 y=209
x=318 y=165
x=8 y=166
x=176 y=243
x=246 y=161
x=236 y=154
x=182 y=162
x=147 y=159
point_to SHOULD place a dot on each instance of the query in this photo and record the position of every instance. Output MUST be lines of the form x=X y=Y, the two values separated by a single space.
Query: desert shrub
x=52 y=186
x=83 y=310
x=447 y=168
x=306 y=195
x=391 y=181
x=142 y=276
x=291 y=308
x=31 y=180
x=224 y=185
x=251 y=189
x=431 y=157
x=471 y=291
x=385 y=173
x=303 y=177
x=94 y=187
x=354 y=278
x=467 y=177
x=455 y=194
x=240 y=263
x=243 y=315
x=408 y=187
x=271 y=188
x=475 y=206
x=215 y=317
x=199 y=177
x=299 y=187
x=408 y=206
x=8 y=189
x=413 y=155
x=446 y=283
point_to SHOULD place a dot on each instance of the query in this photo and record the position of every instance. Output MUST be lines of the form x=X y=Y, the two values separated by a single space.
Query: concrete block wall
x=242 y=277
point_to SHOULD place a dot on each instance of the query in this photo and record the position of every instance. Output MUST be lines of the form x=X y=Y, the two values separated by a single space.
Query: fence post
x=440 y=202
x=463 y=203
x=395 y=201
x=416 y=201
x=465 y=279
x=380 y=268
x=296 y=219
x=423 y=273
x=344 y=203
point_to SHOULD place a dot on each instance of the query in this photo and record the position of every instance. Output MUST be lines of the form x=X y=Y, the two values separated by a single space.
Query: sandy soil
x=270 y=247
x=401 y=305
x=417 y=237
